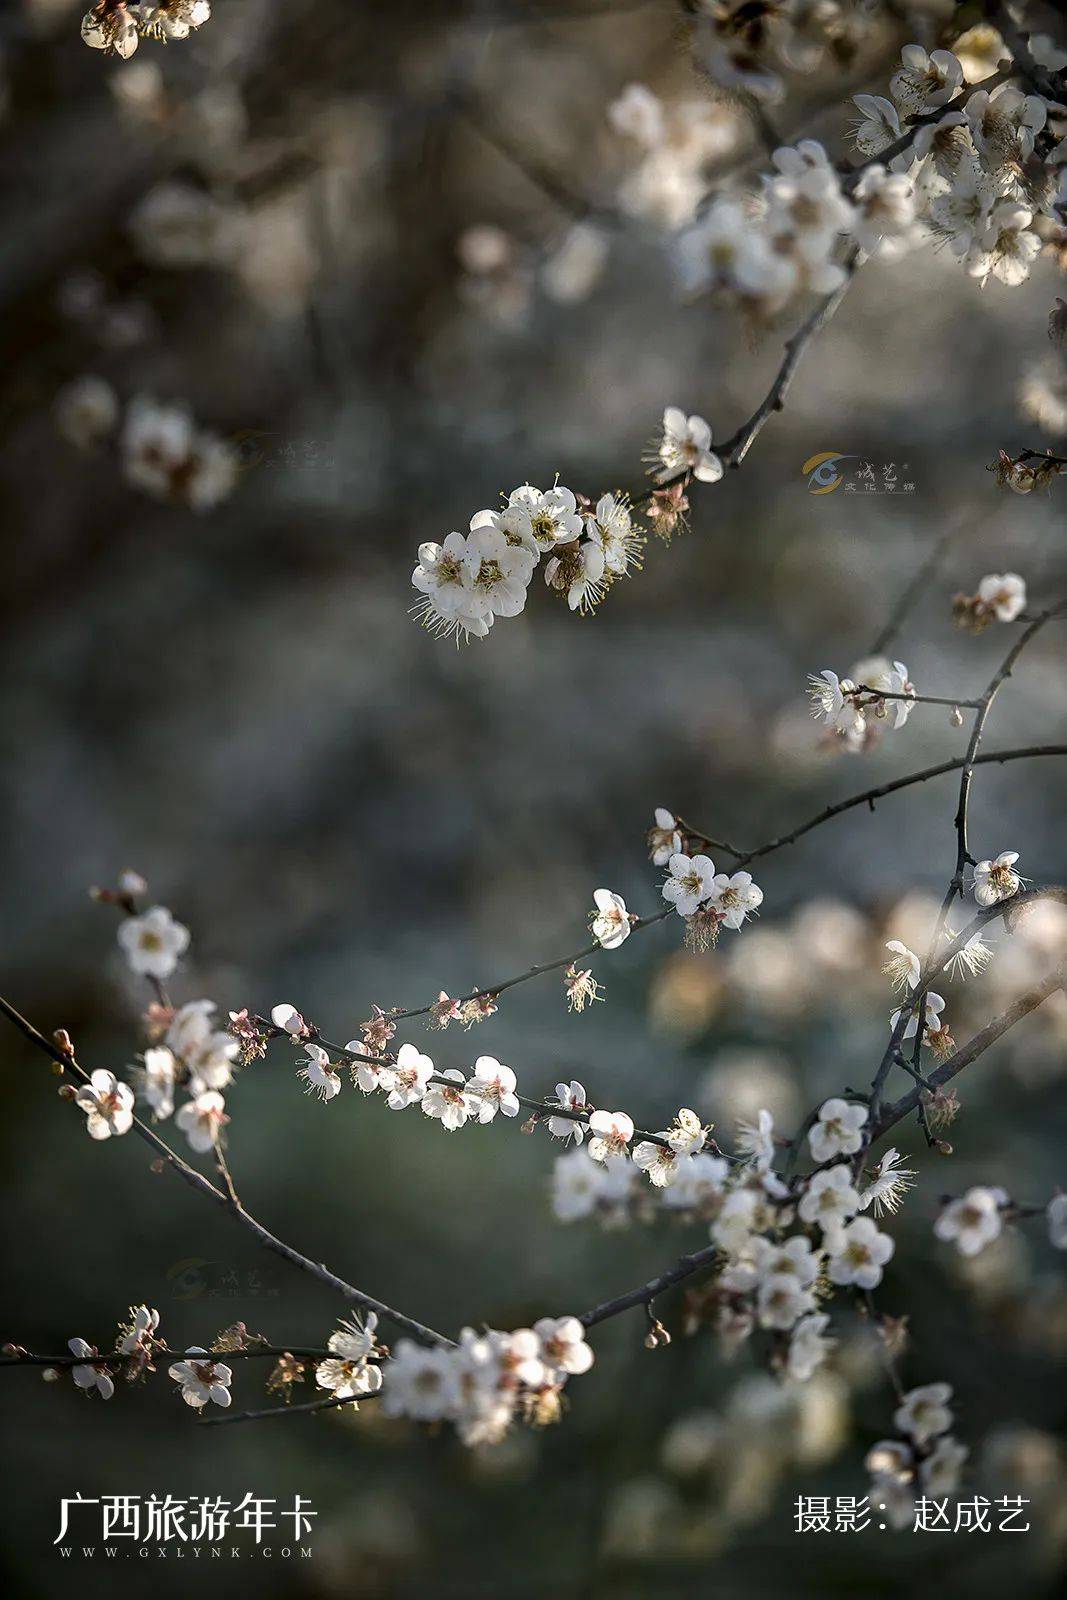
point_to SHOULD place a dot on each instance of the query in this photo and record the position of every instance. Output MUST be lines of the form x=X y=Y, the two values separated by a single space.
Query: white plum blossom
x=172 y=19
x=933 y=1005
x=611 y=1132
x=411 y=1078
x=450 y=603
x=664 y=839
x=794 y=1259
x=756 y=1140
x=1004 y=125
x=373 y=1075
x=494 y=1084
x=879 y=124
x=961 y=214
x=86 y=411
x=610 y=923
x=91 y=1373
x=420 y=1383
x=138 y=1338
x=884 y=220
x=685 y=447
x=289 y=1020
x=858 y=1253
x=834 y=700
x=781 y=1300
x=610 y=527
x=735 y=897
x=153 y=942
x=1003 y=594
x=893 y=680
x=808 y=1346
x=924 y=1413
x=1007 y=246
x=830 y=1199
x=571 y=1095
x=202 y=1379
x=660 y=1162
x=202 y=1120
x=889 y=1183
x=690 y=883
x=837 y=1131
x=581 y=1185
x=904 y=968
x=164 y=454
x=686 y=1133
x=564 y=1350
x=108 y=1105
x=159 y=1077
x=349 y=1371
x=972 y=1221
x=699 y=1184
x=939 y=1473
x=1056 y=1216
x=580 y=572
x=450 y=1103
x=110 y=28
x=638 y=113
x=498 y=571
x=537 y=520
x=207 y=1052
x=997 y=880
x=924 y=82
x=321 y=1077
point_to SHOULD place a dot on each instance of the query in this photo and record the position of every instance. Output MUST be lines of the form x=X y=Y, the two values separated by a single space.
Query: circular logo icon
x=821 y=471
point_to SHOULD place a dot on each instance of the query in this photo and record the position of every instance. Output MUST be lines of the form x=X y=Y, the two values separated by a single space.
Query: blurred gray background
x=345 y=811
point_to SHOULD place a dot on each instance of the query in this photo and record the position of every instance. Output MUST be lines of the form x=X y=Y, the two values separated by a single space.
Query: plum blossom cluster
x=984 y=165
x=117 y=26
x=975 y=1219
x=136 y=1345
x=473 y=578
x=746 y=47
x=1032 y=470
x=877 y=695
x=190 y=1054
x=924 y=1459
x=767 y=1277
x=976 y=165
x=707 y=900
x=488 y=1380
x=161 y=449
x=1000 y=597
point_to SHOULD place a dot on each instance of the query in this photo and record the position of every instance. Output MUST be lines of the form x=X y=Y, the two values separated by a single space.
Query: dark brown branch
x=330 y=1403
x=646 y=1293
x=869 y=796
x=492 y=990
x=736 y=448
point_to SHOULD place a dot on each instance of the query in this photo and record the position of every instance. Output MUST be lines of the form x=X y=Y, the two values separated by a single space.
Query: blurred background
x=398 y=264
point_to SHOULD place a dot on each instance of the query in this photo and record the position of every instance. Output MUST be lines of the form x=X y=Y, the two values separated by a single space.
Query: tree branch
x=196 y=1180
